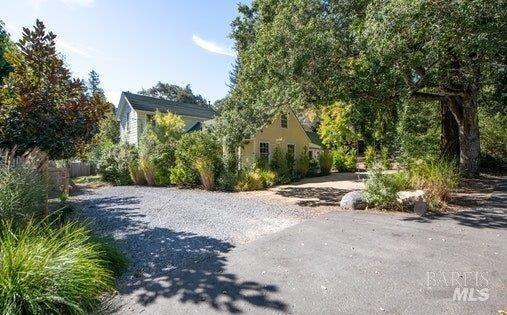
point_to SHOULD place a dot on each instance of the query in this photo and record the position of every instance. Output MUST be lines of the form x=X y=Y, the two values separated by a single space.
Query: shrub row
x=436 y=177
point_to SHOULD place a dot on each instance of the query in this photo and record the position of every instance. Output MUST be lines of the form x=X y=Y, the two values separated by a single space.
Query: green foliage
x=198 y=156
x=5 y=44
x=325 y=162
x=183 y=176
x=175 y=93
x=113 y=257
x=369 y=157
x=436 y=177
x=303 y=164
x=47 y=270
x=385 y=159
x=136 y=173
x=494 y=136
x=23 y=192
x=157 y=147
x=41 y=104
x=278 y=164
x=227 y=180
x=335 y=128
x=256 y=179
x=381 y=188
x=419 y=130
x=344 y=160
x=115 y=163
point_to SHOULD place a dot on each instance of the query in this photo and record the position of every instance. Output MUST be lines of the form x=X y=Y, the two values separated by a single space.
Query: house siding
x=276 y=136
x=129 y=125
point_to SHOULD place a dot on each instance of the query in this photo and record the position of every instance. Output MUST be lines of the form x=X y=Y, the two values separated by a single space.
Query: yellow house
x=285 y=132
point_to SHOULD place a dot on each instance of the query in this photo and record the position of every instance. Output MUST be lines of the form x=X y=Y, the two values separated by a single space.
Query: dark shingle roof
x=151 y=104
x=314 y=137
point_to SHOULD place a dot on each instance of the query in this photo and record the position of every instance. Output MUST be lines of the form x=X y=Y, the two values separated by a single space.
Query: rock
x=415 y=200
x=354 y=200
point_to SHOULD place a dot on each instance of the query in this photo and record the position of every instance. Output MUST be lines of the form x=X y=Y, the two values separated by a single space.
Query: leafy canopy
x=41 y=104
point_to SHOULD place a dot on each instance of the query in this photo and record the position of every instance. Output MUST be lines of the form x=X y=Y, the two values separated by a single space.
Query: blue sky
x=134 y=44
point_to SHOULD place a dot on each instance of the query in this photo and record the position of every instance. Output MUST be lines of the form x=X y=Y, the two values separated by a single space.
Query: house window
x=310 y=154
x=283 y=121
x=150 y=119
x=291 y=149
x=264 y=150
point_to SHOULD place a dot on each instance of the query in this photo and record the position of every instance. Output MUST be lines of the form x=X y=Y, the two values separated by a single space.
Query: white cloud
x=212 y=47
x=82 y=51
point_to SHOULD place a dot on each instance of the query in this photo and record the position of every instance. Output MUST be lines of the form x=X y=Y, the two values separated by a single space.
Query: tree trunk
x=449 y=136
x=465 y=112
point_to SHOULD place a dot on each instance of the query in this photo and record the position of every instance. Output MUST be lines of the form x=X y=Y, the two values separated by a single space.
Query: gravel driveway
x=165 y=230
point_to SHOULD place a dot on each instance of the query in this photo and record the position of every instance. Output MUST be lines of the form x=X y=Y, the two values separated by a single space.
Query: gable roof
x=152 y=104
x=314 y=138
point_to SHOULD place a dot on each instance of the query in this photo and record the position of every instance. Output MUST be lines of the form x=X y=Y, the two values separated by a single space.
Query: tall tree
x=41 y=104
x=5 y=44
x=377 y=55
x=175 y=93
x=445 y=51
x=93 y=84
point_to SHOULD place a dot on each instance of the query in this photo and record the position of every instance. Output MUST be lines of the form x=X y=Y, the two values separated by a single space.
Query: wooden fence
x=79 y=168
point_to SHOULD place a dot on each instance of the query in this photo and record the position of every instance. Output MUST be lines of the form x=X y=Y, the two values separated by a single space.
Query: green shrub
x=249 y=180
x=136 y=173
x=344 y=160
x=199 y=158
x=313 y=167
x=227 y=180
x=156 y=154
x=494 y=136
x=183 y=177
x=381 y=188
x=279 y=165
x=369 y=157
x=325 y=162
x=114 y=165
x=255 y=179
x=385 y=160
x=303 y=164
x=436 y=177
x=23 y=193
x=291 y=164
x=45 y=270
x=110 y=253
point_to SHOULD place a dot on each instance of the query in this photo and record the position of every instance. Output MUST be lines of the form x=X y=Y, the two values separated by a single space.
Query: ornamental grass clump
x=23 y=193
x=51 y=270
x=436 y=177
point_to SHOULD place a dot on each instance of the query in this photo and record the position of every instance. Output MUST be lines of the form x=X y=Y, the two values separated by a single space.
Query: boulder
x=354 y=200
x=414 y=200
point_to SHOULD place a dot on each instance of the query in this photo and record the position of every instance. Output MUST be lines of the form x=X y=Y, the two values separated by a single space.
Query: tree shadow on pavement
x=191 y=268
x=172 y=264
x=314 y=196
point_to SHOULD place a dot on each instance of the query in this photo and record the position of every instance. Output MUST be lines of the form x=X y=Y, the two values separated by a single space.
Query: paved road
x=336 y=263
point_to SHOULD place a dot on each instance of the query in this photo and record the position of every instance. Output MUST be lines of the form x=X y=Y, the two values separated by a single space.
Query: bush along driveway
x=195 y=252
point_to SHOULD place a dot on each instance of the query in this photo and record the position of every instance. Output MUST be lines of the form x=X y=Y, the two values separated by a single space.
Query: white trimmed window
x=284 y=121
x=264 y=150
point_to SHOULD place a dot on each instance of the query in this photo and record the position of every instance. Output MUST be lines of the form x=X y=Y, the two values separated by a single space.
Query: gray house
x=135 y=111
